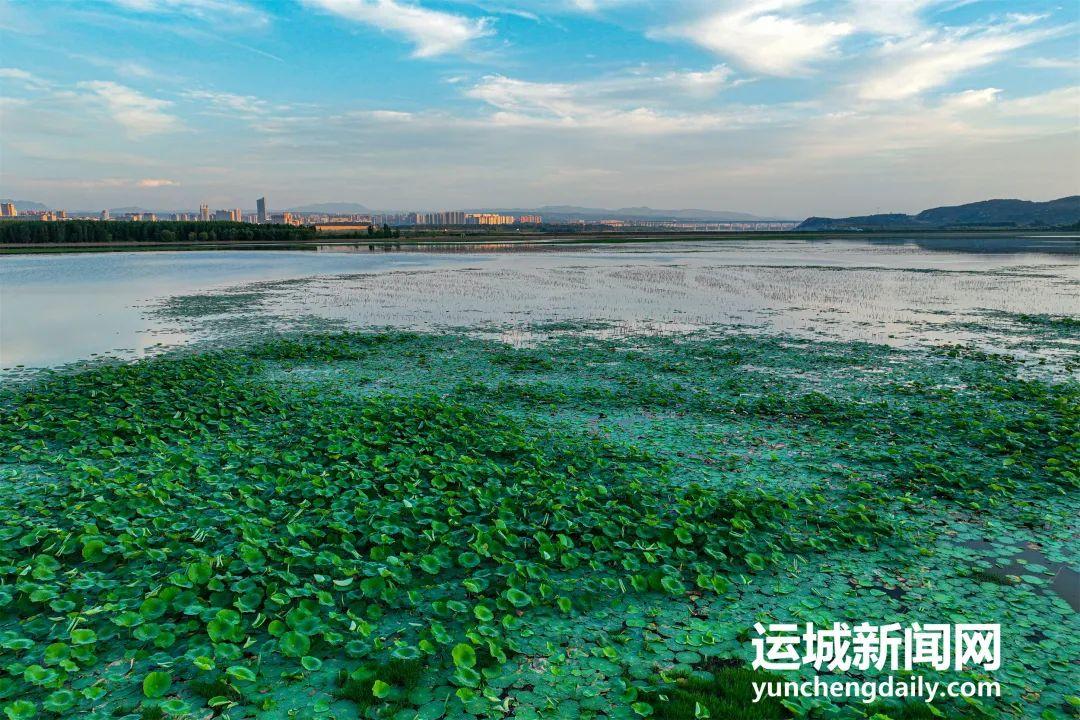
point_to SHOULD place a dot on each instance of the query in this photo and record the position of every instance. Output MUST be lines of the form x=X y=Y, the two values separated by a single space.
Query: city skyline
x=779 y=108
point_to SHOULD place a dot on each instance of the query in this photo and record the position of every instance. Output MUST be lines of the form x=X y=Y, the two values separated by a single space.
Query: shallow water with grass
x=572 y=495
x=439 y=525
x=901 y=291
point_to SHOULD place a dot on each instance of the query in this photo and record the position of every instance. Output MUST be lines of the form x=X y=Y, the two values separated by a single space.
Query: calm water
x=60 y=308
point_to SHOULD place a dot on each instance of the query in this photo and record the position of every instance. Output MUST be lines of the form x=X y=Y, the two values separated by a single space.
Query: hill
x=987 y=213
x=556 y=213
x=331 y=208
x=24 y=205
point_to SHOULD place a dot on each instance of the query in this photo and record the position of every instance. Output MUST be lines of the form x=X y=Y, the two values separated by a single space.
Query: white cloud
x=519 y=97
x=704 y=81
x=219 y=12
x=130 y=68
x=434 y=32
x=767 y=36
x=231 y=103
x=1045 y=63
x=156 y=183
x=384 y=115
x=990 y=105
x=1060 y=103
x=22 y=77
x=592 y=6
x=888 y=17
x=970 y=99
x=626 y=90
x=975 y=122
x=612 y=104
x=139 y=114
x=111 y=182
x=932 y=59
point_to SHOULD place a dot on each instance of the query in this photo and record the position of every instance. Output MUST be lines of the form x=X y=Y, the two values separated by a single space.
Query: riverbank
x=479 y=241
x=308 y=525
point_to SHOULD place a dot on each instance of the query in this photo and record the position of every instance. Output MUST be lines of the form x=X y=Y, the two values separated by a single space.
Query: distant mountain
x=24 y=205
x=131 y=209
x=988 y=213
x=345 y=208
x=690 y=214
x=574 y=212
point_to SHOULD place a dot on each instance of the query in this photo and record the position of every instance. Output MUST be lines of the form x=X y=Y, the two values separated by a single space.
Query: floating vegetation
x=195 y=307
x=402 y=525
x=718 y=690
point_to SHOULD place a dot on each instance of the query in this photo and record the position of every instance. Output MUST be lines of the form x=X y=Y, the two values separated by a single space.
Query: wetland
x=530 y=483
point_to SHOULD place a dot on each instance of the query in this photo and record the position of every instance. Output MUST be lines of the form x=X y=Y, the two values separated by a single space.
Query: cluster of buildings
x=329 y=222
x=450 y=217
x=261 y=216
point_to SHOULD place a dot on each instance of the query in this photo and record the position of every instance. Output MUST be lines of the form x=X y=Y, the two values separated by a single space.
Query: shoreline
x=540 y=239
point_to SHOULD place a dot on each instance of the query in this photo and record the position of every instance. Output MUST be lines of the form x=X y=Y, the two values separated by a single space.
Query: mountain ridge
x=999 y=212
x=24 y=205
x=331 y=208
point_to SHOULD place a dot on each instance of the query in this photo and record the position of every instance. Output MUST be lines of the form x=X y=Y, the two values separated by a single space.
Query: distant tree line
x=382 y=232
x=75 y=232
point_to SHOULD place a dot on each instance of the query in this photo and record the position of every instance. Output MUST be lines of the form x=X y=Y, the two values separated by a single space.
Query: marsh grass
x=720 y=690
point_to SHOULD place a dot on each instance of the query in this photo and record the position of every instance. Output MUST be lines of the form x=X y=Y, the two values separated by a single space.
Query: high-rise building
x=260 y=210
x=105 y=214
x=204 y=212
x=447 y=217
x=488 y=219
x=7 y=210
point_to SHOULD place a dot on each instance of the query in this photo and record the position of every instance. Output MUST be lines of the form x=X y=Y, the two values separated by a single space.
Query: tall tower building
x=260 y=205
x=8 y=210
x=204 y=213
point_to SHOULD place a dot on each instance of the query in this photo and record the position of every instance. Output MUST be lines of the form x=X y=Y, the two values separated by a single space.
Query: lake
x=65 y=307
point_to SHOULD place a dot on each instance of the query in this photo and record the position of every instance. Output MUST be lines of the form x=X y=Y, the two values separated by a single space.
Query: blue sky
x=777 y=107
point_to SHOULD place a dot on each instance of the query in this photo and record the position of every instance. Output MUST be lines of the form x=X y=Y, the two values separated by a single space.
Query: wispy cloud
x=156 y=183
x=615 y=103
x=434 y=32
x=934 y=58
x=10 y=75
x=888 y=17
x=1062 y=103
x=218 y=12
x=1048 y=63
x=773 y=37
x=230 y=103
x=139 y=114
x=96 y=183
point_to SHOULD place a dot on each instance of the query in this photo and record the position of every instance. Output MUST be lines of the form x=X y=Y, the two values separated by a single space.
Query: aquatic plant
x=208 y=530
